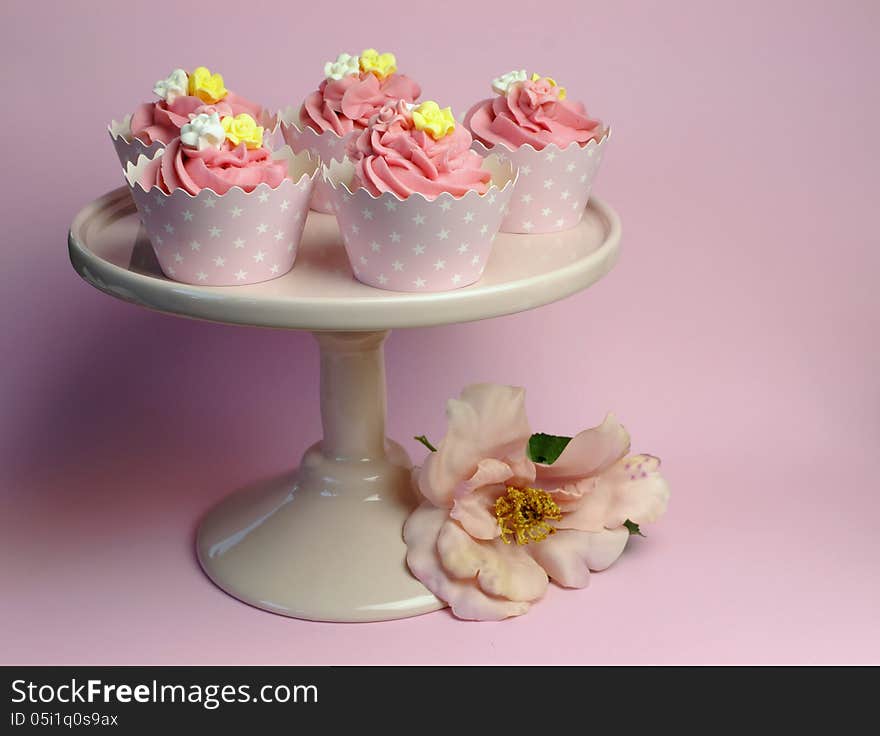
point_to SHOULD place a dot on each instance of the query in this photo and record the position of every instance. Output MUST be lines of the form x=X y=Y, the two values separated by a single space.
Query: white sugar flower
x=505 y=81
x=202 y=131
x=344 y=65
x=174 y=86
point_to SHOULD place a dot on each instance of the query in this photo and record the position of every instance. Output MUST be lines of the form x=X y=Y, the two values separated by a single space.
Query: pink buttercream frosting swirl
x=347 y=104
x=160 y=122
x=531 y=112
x=218 y=169
x=390 y=155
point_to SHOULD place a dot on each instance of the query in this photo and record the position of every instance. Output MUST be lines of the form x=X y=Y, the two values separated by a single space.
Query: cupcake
x=354 y=89
x=181 y=97
x=554 y=143
x=220 y=207
x=417 y=207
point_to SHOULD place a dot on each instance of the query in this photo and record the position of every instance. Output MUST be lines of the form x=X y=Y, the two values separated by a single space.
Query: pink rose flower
x=495 y=527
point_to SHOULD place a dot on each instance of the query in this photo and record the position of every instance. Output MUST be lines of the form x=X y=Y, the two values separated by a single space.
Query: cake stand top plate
x=110 y=250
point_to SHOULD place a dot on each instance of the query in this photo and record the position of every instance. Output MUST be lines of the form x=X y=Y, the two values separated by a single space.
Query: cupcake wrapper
x=129 y=149
x=416 y=244
x=226 y=239
x=553 y=185
x=327 y=147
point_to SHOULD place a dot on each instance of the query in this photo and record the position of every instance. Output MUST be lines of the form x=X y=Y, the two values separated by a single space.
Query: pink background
x=737 y=338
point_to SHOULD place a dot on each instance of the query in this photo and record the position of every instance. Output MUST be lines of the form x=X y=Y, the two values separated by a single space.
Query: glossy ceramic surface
x=110 y=250
x=324 y=541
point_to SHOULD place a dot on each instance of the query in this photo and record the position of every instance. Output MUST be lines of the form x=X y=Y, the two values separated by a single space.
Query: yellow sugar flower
x=243 y=129
x=435 y=122
x=206 y=86
x=382 y=65
x=552 y=83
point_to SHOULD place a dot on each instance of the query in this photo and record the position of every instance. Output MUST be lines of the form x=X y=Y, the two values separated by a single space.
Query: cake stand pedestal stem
x=324 y=542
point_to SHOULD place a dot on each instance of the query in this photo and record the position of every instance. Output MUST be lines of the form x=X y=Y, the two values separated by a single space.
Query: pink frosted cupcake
x=219 y=207
x=555 y=144
x=181 y=97
x=354 y=89
x=417 y=207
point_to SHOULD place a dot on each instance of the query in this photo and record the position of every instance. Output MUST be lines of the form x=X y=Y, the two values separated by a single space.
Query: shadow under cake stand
x=324 y=541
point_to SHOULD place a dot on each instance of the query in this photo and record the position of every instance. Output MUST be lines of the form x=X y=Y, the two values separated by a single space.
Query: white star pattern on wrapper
x=225 y=239
x=426 y=244
x=547 y=178
x=375 y=247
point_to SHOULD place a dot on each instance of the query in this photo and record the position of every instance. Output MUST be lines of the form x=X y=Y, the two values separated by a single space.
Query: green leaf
x=633 y=527
x=546 y=448
x=426 y=442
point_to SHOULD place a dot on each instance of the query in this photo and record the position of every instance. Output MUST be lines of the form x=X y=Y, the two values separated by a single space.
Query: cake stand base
x=325 y=542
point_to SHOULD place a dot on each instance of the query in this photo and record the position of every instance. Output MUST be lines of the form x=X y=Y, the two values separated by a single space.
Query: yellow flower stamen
x=524 y=513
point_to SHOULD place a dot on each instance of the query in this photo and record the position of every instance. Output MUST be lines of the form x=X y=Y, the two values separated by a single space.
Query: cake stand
x=324 y=541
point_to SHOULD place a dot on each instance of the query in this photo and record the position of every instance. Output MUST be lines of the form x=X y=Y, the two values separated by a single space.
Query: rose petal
x=569 y=555
x=475 y=512
x=488 y=421
x=420 y=533
x=631 y=489
x=502 y=570
x=589 y=453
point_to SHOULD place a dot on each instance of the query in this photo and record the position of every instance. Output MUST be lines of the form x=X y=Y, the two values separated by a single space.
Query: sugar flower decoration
x=173 y=86
x=506 y=511
x=546 y=84
x=344 y=66
x=243 y=129
x=206 y=86
x=502 y=84
x=382 y=65
x=203 y=131
x=436 y=122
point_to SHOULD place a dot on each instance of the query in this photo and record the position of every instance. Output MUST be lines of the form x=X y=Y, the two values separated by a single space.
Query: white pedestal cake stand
x=324 y=541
